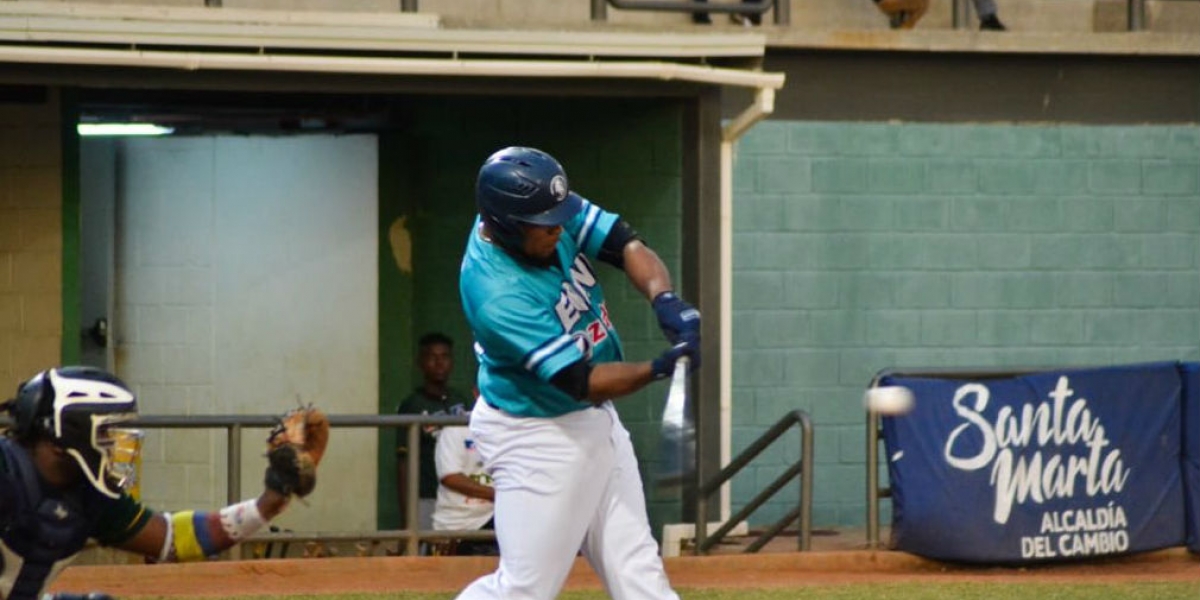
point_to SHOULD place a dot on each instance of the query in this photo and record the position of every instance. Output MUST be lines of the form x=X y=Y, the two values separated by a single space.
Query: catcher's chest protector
x=42 y=532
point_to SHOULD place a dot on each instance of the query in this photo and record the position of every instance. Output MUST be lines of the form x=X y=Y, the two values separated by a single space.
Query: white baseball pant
x=566 y=484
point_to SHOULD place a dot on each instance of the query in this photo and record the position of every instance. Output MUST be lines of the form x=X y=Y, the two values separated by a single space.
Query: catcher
x=59 y=484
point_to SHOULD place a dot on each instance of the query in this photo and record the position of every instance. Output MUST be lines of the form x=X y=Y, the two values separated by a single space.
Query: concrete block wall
x=30 y=240
x=863 y=246
x=207 y=252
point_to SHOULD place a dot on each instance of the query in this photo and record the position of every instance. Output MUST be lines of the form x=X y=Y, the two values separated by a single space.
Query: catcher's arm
x=195 y=535
x=295 y=448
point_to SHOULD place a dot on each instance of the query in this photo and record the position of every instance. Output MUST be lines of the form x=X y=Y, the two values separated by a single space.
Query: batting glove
x=662 y=366
x=679 y=320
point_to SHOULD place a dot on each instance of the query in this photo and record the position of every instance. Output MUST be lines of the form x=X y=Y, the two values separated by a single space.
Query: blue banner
x=1048 y=466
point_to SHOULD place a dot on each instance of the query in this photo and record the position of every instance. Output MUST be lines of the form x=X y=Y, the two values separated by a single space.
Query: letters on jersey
x=530 y=322
x=574 y=303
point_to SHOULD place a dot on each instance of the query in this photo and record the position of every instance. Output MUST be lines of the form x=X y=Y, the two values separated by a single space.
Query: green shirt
x=421 y=403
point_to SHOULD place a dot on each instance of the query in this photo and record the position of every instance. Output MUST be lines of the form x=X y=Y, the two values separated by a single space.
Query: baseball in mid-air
x=889 y=399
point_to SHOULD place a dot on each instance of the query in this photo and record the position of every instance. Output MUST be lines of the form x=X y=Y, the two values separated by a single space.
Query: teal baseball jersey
x=531 y=321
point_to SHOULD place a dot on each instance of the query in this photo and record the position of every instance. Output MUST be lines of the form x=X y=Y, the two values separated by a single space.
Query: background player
x=59 y=487
x=465 y=497
x=435 y=358
x=564 y=471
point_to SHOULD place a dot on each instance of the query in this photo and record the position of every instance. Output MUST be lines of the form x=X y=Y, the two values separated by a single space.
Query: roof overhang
x=194 y=39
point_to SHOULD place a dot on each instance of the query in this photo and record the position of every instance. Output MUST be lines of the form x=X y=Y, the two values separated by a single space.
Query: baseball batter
x=550 y=362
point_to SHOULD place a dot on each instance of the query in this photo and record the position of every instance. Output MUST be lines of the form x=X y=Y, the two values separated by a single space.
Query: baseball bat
x=678 y=432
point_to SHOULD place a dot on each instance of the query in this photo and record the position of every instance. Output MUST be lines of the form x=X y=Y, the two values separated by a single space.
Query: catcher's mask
x=81 y=410
x=523 y=185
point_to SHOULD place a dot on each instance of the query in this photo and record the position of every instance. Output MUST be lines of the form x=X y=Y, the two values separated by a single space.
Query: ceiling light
x=123 y=129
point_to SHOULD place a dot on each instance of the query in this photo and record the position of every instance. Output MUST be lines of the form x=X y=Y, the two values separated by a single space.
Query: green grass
x=892 y=591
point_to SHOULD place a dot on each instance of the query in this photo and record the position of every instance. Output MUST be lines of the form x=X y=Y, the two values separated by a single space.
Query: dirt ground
x=790 y=569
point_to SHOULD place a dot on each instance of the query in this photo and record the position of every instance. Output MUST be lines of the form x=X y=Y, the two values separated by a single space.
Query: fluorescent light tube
x=123 y=129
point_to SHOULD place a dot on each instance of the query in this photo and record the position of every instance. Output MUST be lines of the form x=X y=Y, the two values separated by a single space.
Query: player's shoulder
x=588 y=228
x=456 y=431
x=589 y=212
x=414 y=403
x=454 y=435
x=488 y=270
x=498 y=288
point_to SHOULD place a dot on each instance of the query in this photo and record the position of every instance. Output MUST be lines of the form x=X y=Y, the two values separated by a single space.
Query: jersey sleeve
x=120 y=520
x=590 y=227
x=519 y=331
x=448 y=456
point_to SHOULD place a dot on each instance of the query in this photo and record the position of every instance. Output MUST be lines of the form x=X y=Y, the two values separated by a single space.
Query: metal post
x=233 y=464
x=783 y=12
x=701 y=522
x=600 y=10
x=412 y=485
x=961 y=14
x=804 y=539
x=872 y=480
x=1137 y=14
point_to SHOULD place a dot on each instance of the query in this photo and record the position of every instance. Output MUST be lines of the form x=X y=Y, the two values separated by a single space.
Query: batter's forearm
x=646 y=271
x=613 y=380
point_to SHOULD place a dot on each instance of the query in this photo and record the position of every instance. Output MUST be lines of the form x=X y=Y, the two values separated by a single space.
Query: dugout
x=302 y=225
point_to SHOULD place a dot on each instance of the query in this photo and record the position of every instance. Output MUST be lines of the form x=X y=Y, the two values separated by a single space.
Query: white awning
x=347 y=42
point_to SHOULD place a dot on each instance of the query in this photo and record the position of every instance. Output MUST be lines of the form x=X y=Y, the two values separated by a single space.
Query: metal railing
x=1135 y=11
x=234 y=425
x=802 y=468
x=783 y=12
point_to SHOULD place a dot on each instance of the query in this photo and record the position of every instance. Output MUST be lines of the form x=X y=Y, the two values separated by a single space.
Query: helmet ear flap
x=504 y=231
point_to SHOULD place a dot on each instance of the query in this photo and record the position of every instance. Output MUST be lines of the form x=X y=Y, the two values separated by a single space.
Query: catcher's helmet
x=523 y=185
x=76 y=408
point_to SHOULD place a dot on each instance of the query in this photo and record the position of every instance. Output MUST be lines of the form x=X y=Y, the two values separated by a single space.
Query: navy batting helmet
x=77 y=408
x=523 y=185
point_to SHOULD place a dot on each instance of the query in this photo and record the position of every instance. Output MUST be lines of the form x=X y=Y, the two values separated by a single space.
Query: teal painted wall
x=626 y=155
x=863 y=246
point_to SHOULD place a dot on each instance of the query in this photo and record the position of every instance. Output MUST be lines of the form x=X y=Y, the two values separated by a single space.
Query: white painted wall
x=246 y=277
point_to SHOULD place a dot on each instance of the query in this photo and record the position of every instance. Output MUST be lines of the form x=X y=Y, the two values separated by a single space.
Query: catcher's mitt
x=294 y=449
